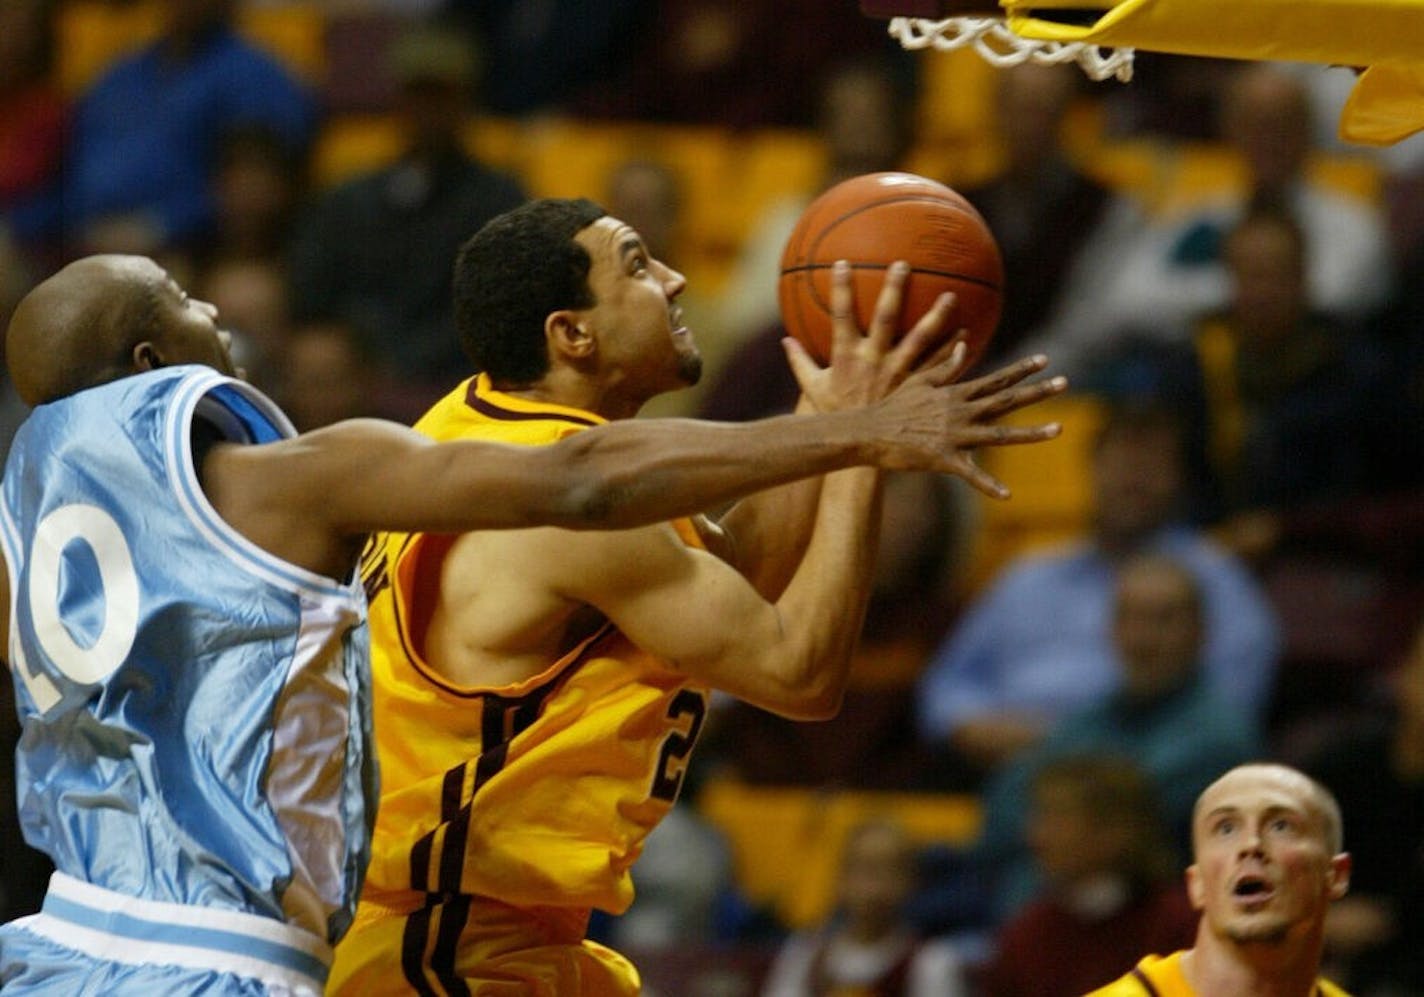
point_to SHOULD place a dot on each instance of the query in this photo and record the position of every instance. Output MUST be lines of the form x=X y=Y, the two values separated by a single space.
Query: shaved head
x=102 y=318
x=1314 y=797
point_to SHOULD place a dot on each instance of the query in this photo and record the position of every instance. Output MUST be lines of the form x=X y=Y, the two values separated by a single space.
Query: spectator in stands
x=1290 y=407
x=1166 y=716
x=1061 y=231
x=147 y=133
x=1111 y=887
x=375 y=252
x=16 y=279
x=257 y=186
x=33 y=115
x=324 y=377
x=540 y=56
x=251 y=296
x=1038 y=644
x=865 y=120
x=869 y=946
x=737 y=63
x=1376 y=771
x=1177 y=271
x=24 y=871
x=870 y=744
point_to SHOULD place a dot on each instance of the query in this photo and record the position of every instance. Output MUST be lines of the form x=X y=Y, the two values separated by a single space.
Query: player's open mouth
x=675 y=320
x=1253 y=890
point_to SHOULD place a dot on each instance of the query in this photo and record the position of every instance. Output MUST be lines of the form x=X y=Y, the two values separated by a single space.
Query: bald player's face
x=188 y=329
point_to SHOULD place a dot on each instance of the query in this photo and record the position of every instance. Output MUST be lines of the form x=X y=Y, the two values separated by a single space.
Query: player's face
x=636 y=320
x=188 y=330
x=1264 y=870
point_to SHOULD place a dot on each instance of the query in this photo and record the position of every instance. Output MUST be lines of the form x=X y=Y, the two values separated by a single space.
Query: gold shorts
x=491 y=948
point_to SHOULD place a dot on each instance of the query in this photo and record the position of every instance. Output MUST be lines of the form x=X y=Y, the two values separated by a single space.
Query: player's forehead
x=1258 y=790
x=610 y=239
x=140 y=271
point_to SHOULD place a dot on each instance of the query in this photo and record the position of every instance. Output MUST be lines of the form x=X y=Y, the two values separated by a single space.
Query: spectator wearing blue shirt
x=147 y=133
x=1166 y=716
x=1037 y=645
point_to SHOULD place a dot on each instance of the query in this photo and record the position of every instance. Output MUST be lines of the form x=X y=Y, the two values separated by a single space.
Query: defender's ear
x=146 y=357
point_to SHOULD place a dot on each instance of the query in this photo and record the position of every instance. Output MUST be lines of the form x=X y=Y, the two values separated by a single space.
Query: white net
x=992 y=39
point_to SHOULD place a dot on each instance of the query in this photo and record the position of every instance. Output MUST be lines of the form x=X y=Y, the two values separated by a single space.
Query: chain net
x=992 y=39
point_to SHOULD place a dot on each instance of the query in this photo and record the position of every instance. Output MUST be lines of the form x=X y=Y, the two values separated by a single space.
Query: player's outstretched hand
x=866 y=366
x=933 y=423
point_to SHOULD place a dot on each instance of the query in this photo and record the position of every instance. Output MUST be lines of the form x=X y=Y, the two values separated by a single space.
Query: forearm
x=823 y=607
x=768 y=530
x=642 y=471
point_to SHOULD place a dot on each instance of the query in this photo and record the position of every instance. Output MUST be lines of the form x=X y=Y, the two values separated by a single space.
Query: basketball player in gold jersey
x=537 y=696
x=1268 y=860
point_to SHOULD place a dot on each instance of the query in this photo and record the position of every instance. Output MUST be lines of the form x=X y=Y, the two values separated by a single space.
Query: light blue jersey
x=195 y=711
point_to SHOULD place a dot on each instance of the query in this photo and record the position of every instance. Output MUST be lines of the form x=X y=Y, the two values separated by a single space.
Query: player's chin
x=689 y=368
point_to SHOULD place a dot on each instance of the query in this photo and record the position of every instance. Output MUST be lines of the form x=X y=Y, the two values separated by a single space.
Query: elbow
x=820 y=708
x=590 y=501
x=815 y=699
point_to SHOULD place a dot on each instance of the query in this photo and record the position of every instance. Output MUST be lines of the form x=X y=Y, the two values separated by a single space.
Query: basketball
x=873 y=220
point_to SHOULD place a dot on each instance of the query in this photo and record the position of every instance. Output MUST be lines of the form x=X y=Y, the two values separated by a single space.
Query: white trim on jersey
x=178 y=456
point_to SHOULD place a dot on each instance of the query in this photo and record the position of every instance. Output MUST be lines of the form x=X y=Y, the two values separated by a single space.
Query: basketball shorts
x=473 y=945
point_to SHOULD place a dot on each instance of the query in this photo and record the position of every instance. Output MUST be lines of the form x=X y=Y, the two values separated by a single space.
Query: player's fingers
x=844 y=332
x=887 y=305
x=948 y=365
x=928 y=332
x=1005 y=377
x=1019 y=396
x=1008 y=436
x=945 y=349
x=803 y=367
x=964 y=466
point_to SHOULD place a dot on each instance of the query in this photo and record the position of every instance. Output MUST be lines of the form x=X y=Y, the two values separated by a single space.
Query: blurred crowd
x=1221 y=560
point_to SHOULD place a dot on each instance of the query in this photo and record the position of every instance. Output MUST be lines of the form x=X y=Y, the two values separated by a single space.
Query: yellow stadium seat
x=294 y=33
x=786 y=842
x=353 y=144
x=93 y=33
x=1051 y=484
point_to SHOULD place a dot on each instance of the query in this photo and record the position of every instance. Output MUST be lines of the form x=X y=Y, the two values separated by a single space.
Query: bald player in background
x=1268 y=860
x=187 y=634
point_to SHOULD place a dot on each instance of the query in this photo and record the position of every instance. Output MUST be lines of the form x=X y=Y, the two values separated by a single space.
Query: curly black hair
x=511 y=274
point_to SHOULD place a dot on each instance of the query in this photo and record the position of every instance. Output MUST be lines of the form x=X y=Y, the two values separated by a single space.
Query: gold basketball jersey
x=1161 y=976
x=539 y=793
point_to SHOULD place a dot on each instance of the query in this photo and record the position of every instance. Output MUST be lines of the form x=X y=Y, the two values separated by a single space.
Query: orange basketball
x=873 y=220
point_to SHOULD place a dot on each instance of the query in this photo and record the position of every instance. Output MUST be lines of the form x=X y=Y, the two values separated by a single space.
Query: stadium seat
x=93 y=33
x=786 y=843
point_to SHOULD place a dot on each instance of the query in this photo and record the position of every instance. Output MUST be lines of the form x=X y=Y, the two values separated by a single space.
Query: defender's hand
x=934 y=424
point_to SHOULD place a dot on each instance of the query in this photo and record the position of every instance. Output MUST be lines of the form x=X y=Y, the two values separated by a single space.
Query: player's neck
x=571 y=389
x=1221 y=968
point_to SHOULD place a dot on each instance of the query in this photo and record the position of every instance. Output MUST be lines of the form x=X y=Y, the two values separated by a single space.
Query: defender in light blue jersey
x=187 y=643
x=234 y=782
